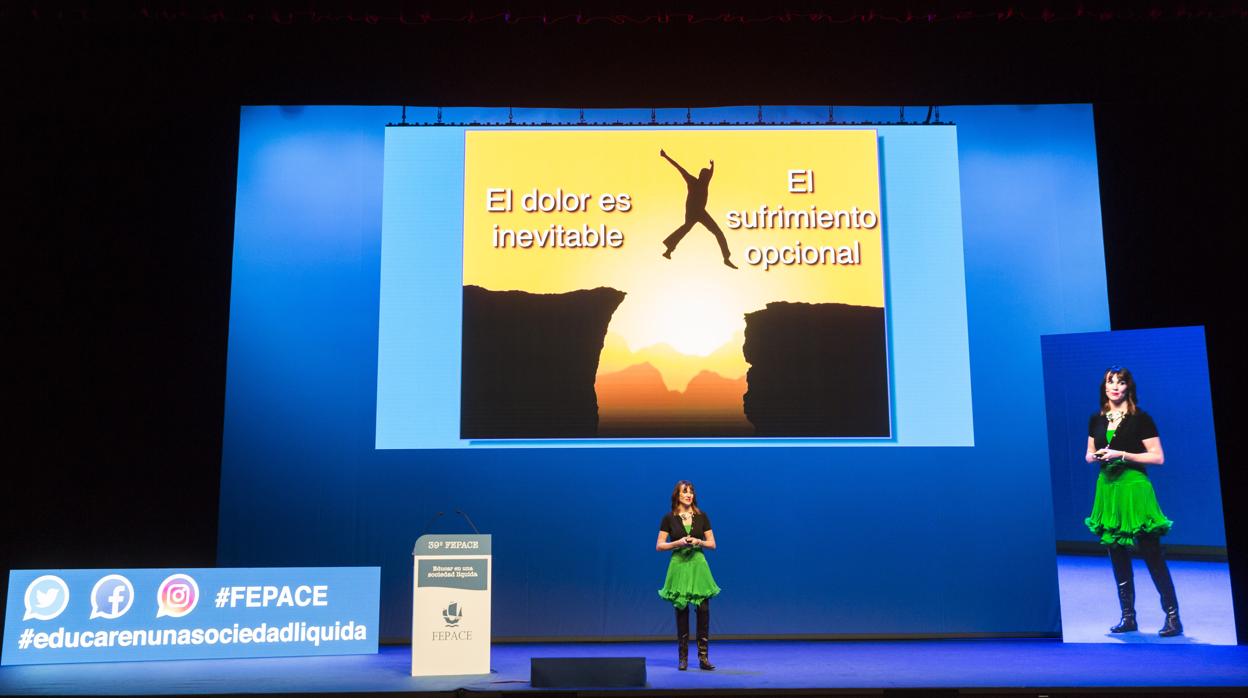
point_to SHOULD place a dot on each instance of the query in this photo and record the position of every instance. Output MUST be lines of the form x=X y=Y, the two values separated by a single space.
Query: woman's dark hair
x=1124 y=375
x=693 y=506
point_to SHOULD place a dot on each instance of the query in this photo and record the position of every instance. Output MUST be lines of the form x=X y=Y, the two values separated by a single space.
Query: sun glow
x=688 y=303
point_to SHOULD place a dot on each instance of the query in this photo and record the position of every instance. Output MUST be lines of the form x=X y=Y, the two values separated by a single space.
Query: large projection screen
x=414 y=329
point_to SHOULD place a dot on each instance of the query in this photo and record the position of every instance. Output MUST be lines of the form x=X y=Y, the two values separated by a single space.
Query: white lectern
x=451 y=605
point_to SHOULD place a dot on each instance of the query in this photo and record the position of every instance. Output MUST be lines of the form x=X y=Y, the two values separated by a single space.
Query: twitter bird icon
x=46 y=598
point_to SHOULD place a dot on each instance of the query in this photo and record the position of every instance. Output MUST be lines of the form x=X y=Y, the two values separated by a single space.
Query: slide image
x=673 y=283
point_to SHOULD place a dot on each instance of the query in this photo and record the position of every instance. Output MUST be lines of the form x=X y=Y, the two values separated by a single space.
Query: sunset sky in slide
x=692 y=303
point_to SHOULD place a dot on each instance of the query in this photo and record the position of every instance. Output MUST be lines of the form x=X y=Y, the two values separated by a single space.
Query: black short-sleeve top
x=675 y=528
x=1130 y=434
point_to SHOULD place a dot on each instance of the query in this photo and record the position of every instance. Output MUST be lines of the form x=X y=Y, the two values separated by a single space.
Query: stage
x=1089 y=603
x=1100 y=660
x=744 y=666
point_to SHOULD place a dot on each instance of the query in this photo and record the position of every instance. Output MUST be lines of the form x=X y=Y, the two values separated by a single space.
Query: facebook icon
x=111 y=597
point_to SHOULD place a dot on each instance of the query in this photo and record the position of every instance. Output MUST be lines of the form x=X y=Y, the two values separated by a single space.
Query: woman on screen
x=686 y=531
x=1123 y=440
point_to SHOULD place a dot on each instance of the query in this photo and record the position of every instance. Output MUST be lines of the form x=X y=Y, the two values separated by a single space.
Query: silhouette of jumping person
x=695 y=210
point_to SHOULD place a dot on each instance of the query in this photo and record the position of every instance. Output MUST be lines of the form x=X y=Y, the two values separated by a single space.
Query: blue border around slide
x=418 y=361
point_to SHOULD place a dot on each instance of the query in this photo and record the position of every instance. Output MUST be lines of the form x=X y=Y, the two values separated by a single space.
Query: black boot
x=704 y=636
x=1150 y=549
x=1173 y=625
x=1120 y=560
x=682 y=638
x=704 y=660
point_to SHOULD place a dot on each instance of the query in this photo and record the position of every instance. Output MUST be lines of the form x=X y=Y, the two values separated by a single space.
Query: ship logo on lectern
x=452 y=615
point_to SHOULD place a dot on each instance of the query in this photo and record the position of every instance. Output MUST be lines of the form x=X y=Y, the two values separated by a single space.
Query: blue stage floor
x=1090 y=657
x=768 y=666
x=1090 y=602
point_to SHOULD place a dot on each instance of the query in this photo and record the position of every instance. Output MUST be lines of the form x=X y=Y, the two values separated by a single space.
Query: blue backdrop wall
x=1172 y=374
x=823 y=541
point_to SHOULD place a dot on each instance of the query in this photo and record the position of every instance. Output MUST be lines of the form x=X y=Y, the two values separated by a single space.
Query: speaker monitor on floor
x=587 y=672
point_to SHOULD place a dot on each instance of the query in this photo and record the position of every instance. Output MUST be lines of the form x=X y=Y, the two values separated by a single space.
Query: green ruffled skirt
x=1125 y=506
x=689 y=579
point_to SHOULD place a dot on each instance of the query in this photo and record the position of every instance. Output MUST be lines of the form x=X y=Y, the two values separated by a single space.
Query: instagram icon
x=177 y=596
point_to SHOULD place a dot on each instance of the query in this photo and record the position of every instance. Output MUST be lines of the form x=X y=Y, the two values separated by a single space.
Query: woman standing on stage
x=1123 y=439
x=686 y=531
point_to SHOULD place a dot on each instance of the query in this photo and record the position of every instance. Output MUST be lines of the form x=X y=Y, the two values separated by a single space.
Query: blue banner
x=71 y=616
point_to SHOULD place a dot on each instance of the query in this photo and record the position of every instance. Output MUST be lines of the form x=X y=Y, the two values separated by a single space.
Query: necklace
x=1115 y=416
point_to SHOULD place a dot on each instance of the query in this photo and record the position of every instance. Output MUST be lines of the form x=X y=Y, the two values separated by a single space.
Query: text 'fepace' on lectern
x=451 y=605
